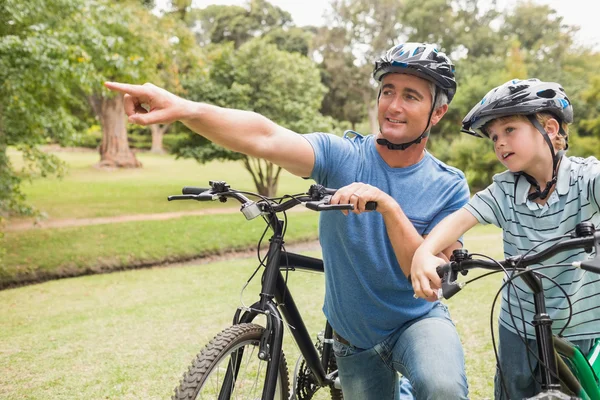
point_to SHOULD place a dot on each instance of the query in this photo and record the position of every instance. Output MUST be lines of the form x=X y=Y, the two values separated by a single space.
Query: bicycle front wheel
x=229 y=368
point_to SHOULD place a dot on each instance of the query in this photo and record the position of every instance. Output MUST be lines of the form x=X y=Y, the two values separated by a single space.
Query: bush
x=139 y=141
x=90 y=138
x=583 y=146
x=173 y=141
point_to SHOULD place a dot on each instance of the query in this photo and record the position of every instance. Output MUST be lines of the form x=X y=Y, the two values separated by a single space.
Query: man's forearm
x=404 y=237
x=237 y=130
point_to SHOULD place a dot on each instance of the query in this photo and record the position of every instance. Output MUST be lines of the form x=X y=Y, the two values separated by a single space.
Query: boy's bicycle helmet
x=518 y=97
x=523 y=97
x=426 y=62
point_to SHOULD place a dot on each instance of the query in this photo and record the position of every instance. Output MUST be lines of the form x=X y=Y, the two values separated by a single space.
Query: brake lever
x=449 y=275
x=198 y=197
x=318 y=206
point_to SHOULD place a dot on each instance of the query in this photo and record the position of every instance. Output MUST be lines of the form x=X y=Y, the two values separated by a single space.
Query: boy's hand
x=148 y=104
x=424 y=277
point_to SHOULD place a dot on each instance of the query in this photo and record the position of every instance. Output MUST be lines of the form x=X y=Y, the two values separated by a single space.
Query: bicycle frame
x=586 y=383
x=555 y=369
x=274 y=287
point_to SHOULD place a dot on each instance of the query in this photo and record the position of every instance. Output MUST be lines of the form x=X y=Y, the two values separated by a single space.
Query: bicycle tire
x=197 y=381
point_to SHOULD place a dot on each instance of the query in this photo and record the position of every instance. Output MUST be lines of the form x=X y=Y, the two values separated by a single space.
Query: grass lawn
x=87 y=192
x=132 y=334
x=43 y=254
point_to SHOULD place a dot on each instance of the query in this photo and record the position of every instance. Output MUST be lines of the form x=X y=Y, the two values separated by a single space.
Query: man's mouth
x=395 y=121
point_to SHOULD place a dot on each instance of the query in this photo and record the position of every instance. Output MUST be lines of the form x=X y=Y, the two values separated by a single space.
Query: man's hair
x=442 y=96
x=559 y=142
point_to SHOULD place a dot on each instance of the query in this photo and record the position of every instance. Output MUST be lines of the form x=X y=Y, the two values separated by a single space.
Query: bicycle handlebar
x=317 y=198
x=585 y=236
x=194 y=190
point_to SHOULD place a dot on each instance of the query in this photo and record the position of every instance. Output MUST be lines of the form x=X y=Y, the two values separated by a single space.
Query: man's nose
x=396 y=104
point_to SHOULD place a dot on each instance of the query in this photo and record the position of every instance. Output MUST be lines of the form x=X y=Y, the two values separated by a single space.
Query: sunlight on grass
x=131 y=335
x=87 y=192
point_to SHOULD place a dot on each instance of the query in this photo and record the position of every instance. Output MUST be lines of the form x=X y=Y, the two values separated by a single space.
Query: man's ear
x=438 y=114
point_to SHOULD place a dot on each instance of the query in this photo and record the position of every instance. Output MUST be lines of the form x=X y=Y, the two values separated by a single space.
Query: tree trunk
x=158 y=131
x=266 y=178
x=114 y=149
x=373 y=121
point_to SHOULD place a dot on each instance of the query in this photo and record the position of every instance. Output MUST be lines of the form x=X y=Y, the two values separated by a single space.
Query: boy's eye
x=509 y=129
x=494 y=138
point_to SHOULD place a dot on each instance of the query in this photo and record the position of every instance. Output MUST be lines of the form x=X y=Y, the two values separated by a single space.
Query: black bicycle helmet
x=518 y=97
x=523 y=97
x=419 y=59
x=426 y=62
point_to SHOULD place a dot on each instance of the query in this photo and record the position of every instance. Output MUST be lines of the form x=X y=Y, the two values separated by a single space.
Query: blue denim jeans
x=427 y=351
x=516 y=370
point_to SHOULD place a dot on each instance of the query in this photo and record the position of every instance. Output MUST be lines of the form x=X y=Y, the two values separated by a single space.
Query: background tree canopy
x=55 y=54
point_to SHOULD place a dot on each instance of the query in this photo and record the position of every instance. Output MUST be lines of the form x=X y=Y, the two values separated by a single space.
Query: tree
x=124 y=43
x=220 y=24
x=54 y=56
x=37 y=71
x=282 y=86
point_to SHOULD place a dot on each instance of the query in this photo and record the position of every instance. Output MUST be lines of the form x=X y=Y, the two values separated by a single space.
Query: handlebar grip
x=371 y=206
x=591 y=265
x=193 y=190
x=442 y=269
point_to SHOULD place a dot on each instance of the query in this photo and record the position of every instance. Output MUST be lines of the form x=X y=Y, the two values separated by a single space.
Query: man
x=380 y=328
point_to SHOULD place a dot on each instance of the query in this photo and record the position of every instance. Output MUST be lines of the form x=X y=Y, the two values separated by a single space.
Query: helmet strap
x=404 y=146
x=542 y=194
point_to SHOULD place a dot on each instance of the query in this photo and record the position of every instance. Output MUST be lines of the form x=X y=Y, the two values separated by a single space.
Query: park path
x=23 y=225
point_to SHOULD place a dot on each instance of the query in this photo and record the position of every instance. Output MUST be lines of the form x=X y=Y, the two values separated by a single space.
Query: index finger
x=125 y=88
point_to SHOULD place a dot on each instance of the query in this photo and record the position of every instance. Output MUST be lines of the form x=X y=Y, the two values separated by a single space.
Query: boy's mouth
x=506 y=155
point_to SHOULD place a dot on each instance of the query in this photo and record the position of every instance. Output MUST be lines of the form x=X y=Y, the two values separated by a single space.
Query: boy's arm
x=424 y=263
x=242 y=131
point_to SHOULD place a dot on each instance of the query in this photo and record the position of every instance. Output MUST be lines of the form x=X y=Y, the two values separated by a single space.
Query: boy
x=543 y=194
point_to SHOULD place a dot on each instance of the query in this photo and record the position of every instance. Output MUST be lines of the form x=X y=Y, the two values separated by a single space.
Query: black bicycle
x=557 y=380
x=246 y=360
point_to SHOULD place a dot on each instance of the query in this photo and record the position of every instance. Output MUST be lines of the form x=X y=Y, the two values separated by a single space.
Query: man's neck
x=402 y=158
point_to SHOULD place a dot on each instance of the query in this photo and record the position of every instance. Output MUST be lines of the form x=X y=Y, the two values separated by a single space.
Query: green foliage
x=54 y=57
x=292 y=39
x=474 y=156
x=282 y=86
x=237 y=24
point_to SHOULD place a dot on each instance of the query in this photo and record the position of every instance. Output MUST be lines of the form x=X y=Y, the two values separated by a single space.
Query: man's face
x=404 y=106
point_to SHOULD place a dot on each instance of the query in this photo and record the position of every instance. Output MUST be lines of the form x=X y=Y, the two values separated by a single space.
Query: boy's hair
x=559 y=142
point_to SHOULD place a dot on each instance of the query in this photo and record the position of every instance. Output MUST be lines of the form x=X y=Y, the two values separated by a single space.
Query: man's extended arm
x=242 y=131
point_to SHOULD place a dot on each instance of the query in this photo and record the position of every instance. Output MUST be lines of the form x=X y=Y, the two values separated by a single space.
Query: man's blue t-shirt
x=367 y=297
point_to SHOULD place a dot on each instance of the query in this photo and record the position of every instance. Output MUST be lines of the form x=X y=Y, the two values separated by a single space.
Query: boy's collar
x=562 y=182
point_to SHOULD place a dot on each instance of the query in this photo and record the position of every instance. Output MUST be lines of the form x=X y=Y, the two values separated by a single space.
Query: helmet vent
x=516 y=89
x=547 y=94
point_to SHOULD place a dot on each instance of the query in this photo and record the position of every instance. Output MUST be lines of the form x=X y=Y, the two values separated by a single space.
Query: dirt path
x=21 y=225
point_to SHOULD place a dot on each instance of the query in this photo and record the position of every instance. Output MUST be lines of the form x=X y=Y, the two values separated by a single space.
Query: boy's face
x=518 y=144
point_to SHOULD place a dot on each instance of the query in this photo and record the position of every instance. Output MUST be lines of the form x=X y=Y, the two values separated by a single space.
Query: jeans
x=516 y=370
x=427 y=351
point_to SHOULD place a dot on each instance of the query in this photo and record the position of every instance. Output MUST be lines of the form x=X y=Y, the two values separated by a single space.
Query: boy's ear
x=552 y=127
